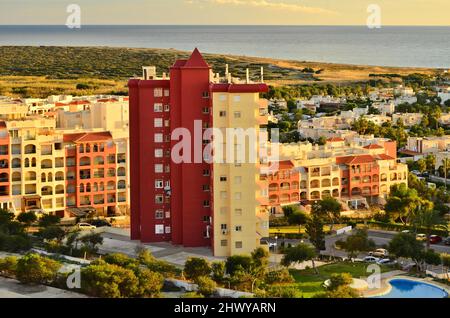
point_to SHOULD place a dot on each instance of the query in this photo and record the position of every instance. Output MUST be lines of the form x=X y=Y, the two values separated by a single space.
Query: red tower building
x=169 y=201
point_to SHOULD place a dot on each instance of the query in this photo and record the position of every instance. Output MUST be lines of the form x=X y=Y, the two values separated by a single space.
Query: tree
x=428 y=220
x=314 y=229
x=5 y=216
x=298 y=218
x=196 y=267
x=329 y=209
x=406 y=245
x=402 y=201
x=27 y=218
x=421 y=165
x=52 y=233
x=260 y=257
x=206 y=286
x=92 y=241
x=357 y=243
x=289 y=210
x=298 y=254
x=49 y=220
x=36 y=269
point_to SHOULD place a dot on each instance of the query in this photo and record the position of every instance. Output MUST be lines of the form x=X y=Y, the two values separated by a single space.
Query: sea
x=406 y=46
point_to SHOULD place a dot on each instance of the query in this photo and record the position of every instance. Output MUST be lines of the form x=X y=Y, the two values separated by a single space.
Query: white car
x=371 y=259
x=381 y=252
x=86 y=226
x=386 y=261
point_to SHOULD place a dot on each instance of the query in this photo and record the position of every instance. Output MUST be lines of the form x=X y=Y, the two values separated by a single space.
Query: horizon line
x=243 y=25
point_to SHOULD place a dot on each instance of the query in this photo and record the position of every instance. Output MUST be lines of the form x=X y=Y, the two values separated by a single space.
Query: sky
x=227 y=12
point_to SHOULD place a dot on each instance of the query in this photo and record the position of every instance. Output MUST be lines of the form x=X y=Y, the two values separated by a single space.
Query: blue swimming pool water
x=405 y=288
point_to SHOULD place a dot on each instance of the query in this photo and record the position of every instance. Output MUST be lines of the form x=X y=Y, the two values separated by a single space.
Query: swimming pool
x=405 y=288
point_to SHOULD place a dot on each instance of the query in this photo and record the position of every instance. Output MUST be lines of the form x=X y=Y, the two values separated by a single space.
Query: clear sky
x=278 y=12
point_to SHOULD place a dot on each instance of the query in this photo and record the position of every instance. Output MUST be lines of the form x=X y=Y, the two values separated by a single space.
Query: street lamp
x=276 y=244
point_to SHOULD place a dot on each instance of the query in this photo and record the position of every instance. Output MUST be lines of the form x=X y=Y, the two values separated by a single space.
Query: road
x=380 y=238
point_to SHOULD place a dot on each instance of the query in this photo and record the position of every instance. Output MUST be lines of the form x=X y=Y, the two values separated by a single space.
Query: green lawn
x=308 y=283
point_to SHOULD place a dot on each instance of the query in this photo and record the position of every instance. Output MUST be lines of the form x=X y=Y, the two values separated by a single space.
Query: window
x=223 y=97
x=159 y=214
x=238 y=212
x=205 y=94
x=158 y=138
x=206 y=173
x=168 y=229
x=166 y=93
x=238 y=244
x=167 y=214
x=167 y=108
x=158 y=122
x=158 y=168
x=167 y=138
x=159 y=199
x=223 y=178
x=223 y=195
x=238 y=196
x=158 y=92
x=224 y=243
x=159 y=184
x=159 y=229
x=237 y=115
x=159 y=153
x=237 y=98
x=223 y=227
x=206 y=188
x=238 y=228
x=158 y=107
x=222 y=113
x=237 y=180
x=206 y=204
x=167 y=123
x=205 y=110
x=237 y=164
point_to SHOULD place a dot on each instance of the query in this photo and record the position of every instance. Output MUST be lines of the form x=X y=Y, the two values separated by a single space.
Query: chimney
x=247 y=78
x=148 y=72
x=262 y=74
x=226 y=70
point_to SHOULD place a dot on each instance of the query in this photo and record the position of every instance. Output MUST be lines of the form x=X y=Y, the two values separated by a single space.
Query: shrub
x=8 y=266
x=192 y=295
x=218 y=271
x=278 y=277
x=36 y=269
x=238 y=263
x=121 y=260
x=196 y=267
x=281 y=292
x=150 y=283
x=338 y=280
x=206 y=286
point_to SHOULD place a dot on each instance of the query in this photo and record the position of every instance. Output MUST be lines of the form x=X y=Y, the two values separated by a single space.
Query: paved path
x=10 y=288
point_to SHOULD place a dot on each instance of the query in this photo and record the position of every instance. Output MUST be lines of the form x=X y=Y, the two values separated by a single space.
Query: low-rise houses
x=427 y=145
x=385 y=108
x=408 y=119
x=355 y=175
x=57 y=166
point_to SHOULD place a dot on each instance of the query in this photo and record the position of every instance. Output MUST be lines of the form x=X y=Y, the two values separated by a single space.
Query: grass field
x=308 y=283
x=46 y=70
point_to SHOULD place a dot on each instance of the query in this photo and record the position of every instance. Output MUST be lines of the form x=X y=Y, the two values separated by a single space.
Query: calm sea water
x=388 y=46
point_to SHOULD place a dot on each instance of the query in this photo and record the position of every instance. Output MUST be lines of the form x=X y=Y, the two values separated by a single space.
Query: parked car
x=381 y=252
x=406 y=231
x=421 y=237
x=371 y=259
x=435 y=239
x=447 y=241
x=386 y=261
x=100 y=223
x=86 y=226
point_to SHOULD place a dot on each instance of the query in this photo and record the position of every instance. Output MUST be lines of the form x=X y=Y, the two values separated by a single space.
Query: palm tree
x=428 y=219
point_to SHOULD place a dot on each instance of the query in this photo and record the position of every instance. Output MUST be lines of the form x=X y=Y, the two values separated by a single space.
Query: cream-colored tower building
x=240 y=196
